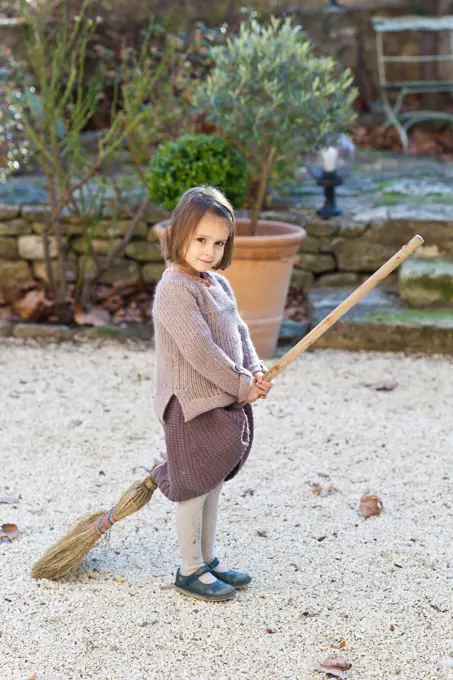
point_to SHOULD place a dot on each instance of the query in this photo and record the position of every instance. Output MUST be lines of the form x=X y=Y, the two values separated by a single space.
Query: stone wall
x=346 y=35
x=349 y=37
x=22 y=255
x=345 y=251
x=337 y=252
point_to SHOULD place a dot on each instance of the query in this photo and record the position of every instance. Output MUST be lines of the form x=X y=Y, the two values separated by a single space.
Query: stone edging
x=60 y=333
x=386 y=337
x=345 y=335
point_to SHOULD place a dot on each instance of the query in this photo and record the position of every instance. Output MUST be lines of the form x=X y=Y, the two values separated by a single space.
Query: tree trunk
x=93 y=277
x=60 y=284
x=258 y=204
x=45 y=240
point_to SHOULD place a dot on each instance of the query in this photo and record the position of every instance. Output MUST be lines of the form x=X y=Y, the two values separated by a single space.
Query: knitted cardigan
x=205 y=356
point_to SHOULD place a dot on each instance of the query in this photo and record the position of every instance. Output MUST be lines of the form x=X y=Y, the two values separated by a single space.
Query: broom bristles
x=62 y=559
x=65 y=557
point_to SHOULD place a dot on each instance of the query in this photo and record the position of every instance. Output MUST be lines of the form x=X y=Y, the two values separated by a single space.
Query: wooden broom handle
x=345 y=306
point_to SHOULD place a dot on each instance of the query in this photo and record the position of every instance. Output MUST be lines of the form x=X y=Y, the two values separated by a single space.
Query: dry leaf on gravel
x=32 y=677
x=370 y=505
x=8 y=499
x=382 y=387
x=334 y=666
x=8 y=532
x=322 y=490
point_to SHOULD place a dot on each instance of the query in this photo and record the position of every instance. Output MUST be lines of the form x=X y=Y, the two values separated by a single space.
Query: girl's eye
x=200 y=239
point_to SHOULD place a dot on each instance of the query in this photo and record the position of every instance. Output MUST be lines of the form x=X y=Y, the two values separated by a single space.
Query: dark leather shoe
x=211 y=592
x=237 y=579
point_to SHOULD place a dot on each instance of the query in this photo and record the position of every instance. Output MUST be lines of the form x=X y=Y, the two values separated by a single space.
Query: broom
x=67 y=554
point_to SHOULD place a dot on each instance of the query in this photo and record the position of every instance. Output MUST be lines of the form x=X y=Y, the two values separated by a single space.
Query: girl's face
x=207 y=244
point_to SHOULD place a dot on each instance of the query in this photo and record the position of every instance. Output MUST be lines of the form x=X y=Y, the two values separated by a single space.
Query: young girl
x=207 y=375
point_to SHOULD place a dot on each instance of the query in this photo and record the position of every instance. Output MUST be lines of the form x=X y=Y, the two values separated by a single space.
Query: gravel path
x=76 y=424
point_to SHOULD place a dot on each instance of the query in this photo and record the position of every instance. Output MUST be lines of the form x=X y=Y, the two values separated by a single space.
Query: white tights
x=195 y=526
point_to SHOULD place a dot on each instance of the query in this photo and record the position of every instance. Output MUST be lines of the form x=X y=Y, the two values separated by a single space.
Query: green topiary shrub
x=194 y=160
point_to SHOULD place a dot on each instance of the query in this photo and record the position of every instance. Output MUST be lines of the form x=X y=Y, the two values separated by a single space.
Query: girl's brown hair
x=192 y=206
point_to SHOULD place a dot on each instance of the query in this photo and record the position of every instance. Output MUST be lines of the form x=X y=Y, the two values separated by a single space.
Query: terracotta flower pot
x=260 y=276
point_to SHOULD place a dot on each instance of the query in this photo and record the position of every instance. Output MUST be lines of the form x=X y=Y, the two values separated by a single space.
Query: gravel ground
x=76 y=425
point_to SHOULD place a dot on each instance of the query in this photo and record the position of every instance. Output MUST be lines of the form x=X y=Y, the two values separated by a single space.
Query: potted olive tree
x=274 y=100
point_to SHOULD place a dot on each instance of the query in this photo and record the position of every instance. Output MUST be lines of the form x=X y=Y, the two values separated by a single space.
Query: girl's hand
x=253 y=394
x=264 y=386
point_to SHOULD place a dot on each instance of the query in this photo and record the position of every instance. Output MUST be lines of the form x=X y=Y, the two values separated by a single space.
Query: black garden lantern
x=330 y=166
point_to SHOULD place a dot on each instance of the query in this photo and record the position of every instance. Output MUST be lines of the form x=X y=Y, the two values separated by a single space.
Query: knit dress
x=205 y=367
